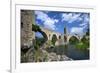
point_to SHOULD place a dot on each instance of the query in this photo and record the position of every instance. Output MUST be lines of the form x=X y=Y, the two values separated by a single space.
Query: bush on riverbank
x=82 y=46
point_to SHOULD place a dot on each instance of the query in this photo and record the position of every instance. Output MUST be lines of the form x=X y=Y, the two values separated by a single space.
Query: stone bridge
x=60 y=37
x=27 y=35
x=49 y=33
x=76 y=36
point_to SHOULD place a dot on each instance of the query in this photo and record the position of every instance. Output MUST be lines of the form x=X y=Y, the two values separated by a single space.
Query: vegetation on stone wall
x=35 y=28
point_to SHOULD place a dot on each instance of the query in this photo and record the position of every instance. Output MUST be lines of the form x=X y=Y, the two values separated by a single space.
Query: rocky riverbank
x=43 y=56
x=54 y=57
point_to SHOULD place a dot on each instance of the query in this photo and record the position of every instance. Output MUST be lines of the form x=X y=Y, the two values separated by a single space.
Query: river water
x=76 y=54
x=71 y=52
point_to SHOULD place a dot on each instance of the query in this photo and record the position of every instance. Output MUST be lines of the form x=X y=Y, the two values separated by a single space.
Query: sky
x=75 y=22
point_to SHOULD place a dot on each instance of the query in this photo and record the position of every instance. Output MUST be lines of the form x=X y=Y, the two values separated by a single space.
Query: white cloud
x=50 y=23
x=80 y=30
x=71 y=17
x=86 y=18
x=77 y=30
x=85 y=22
x=56 y=20
x=82 y=24
x=47 y=21
x=40 y=15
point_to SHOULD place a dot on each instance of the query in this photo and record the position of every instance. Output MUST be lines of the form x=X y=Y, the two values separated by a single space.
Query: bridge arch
x=73 y=38
x=54 y=39
x=59 y=36
x=44 y=35
x=53 y=34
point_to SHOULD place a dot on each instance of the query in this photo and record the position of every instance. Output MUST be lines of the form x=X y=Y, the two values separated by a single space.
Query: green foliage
x=37 y=55
x=84 y=44
x=35 y=28
x=36 y=46
x=45 y=57
x=80 y=45
x=87 y=33
x=49 y=43
x=54 y=39
x=85 y=41
x=40 y=41
x=44 y=35
x=73 y=40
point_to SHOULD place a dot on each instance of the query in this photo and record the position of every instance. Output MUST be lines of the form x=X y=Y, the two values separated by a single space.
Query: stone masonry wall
x=26 y=28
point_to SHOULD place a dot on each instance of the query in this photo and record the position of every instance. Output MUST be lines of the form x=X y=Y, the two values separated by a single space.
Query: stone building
x=27 y=35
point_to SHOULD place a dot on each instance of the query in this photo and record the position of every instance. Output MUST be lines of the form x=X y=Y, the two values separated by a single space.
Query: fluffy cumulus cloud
x=50 y=23
x=47 y=21
x=81 y=21
x=77 y=30
x=40 y=15
x=85 y=19
x=71 y=17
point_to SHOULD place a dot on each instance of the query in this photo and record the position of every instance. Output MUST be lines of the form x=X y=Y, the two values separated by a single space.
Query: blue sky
x=76 y=22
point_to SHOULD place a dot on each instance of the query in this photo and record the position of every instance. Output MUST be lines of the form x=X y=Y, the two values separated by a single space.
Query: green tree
x=85 y=41
x=87 y=33
x=73 y=40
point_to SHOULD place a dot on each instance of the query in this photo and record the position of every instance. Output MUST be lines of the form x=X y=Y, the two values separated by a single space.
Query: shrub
x=73 y=40
x=36 y=47
x=82 y=46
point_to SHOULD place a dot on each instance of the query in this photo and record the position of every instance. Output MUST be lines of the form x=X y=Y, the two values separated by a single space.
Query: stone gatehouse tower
x=27 y=35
